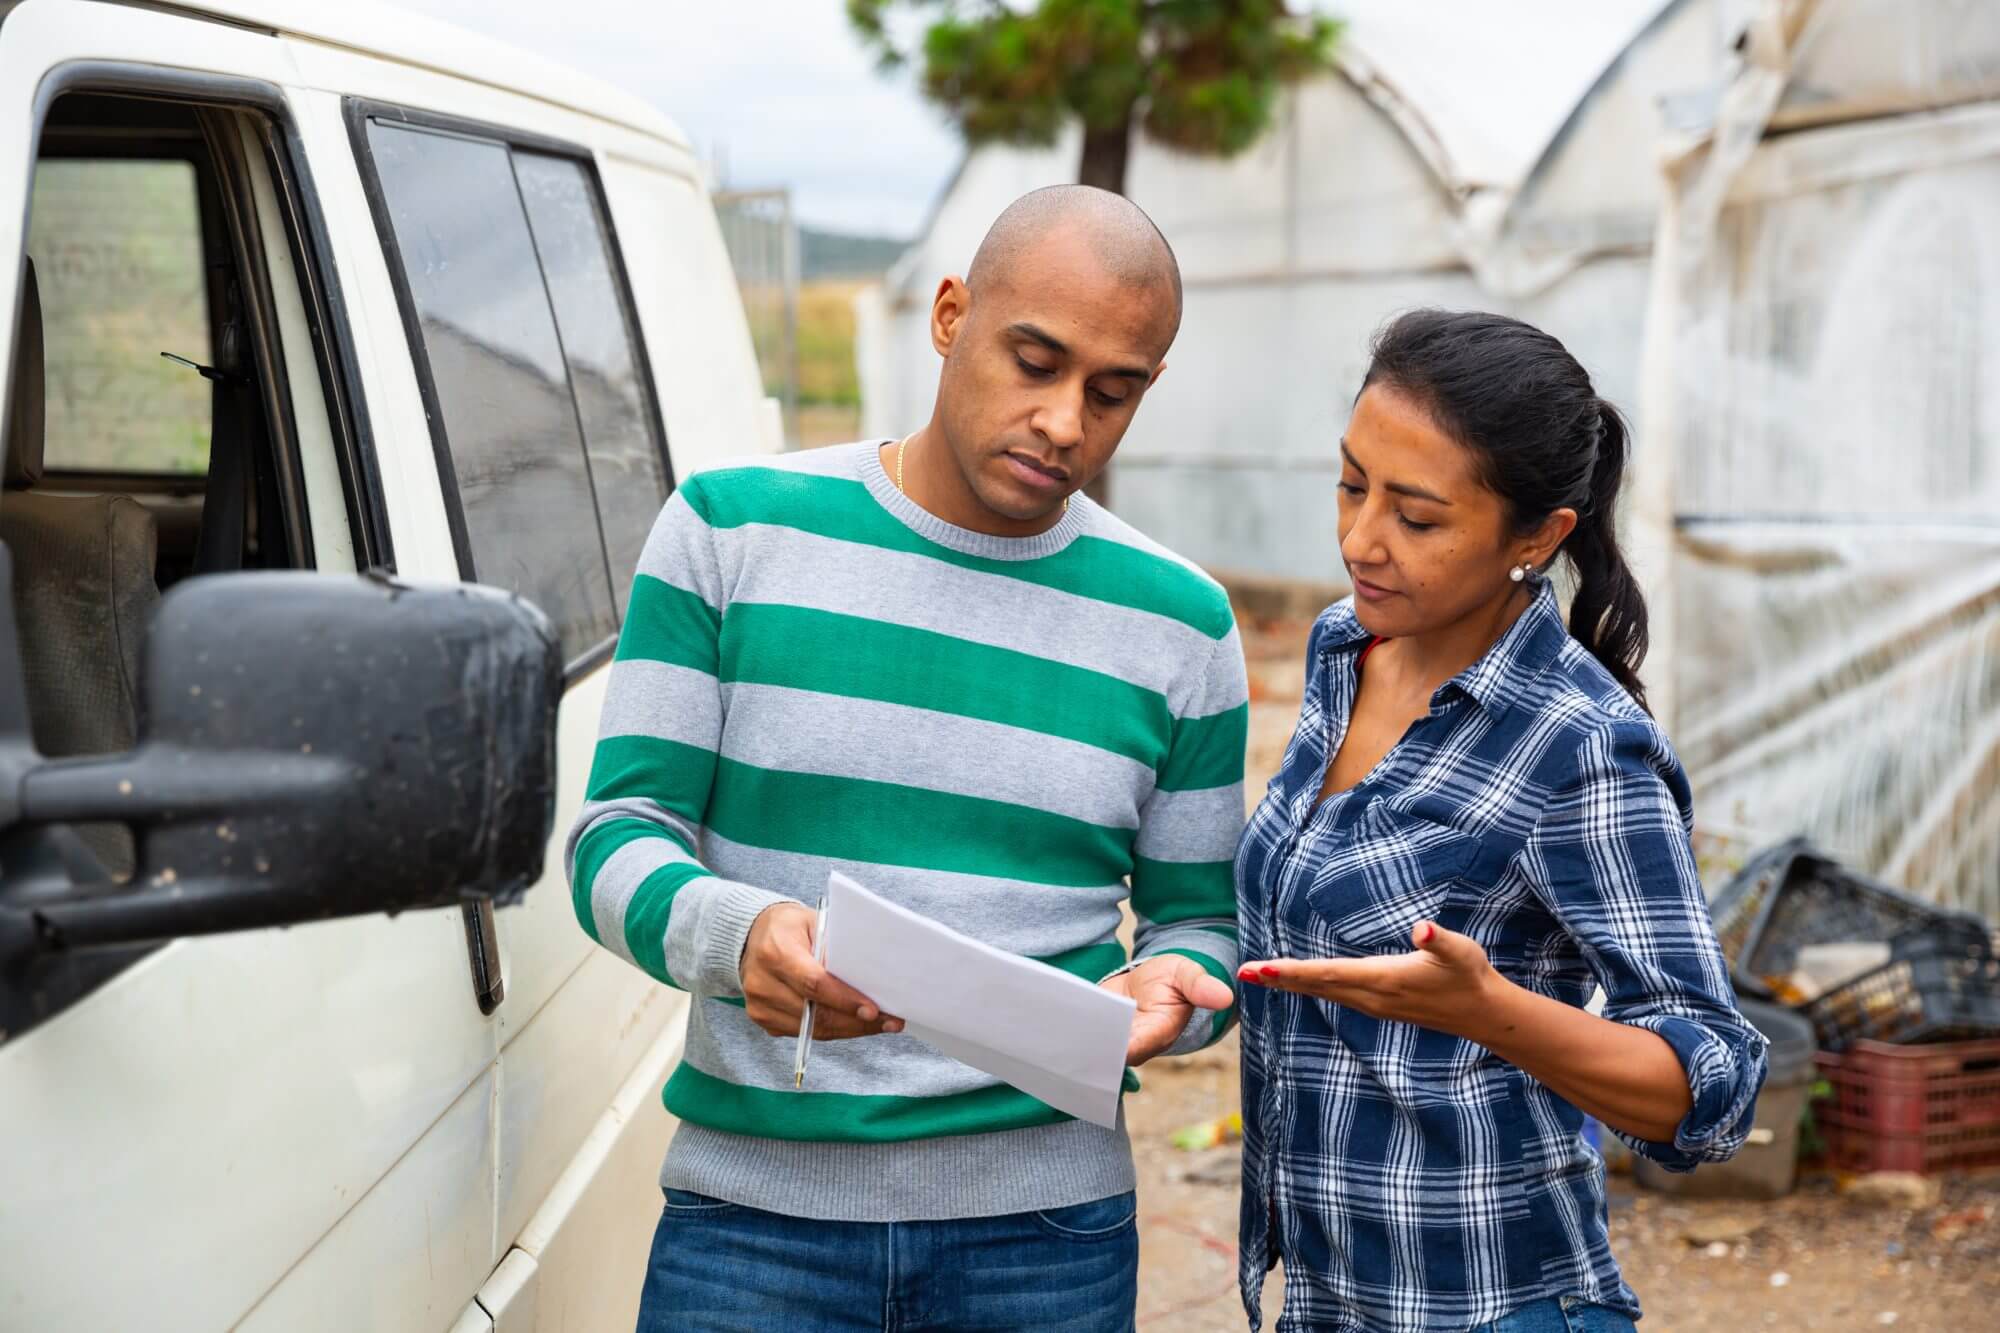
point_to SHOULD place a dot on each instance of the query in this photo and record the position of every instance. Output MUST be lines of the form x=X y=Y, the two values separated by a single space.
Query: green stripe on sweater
x=593 y=849
x=1207 y=751
x=851 y=819
x=646 y=917
x=596 y=847
x=672 y=773
x=823 y=651
x=668 y=624
x=1165 y=892
x=847 y=819
x=1091 y=962
x=836 y=1117
x=651 y=904
x=842 y=509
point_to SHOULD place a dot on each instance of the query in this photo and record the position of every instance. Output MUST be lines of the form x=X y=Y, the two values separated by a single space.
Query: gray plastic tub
x=1767 y=1165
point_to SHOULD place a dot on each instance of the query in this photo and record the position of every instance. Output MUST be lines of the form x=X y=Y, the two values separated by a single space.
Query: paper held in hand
x=1054 y=1036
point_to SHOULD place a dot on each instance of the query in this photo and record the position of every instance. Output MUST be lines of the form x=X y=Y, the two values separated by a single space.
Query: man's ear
x=949 y=308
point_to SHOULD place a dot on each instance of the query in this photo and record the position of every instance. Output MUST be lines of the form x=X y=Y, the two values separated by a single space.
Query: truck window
x=117 y=247
x=593 y=314
x=546 y=425
x=127 y=471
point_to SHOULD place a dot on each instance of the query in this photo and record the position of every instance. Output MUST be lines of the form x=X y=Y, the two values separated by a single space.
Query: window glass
x=619 y=431
x=116 y=244
x=497 y=368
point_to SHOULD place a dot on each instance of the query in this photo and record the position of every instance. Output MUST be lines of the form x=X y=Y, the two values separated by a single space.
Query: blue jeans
x=723 y=1268
x=1568 y=1315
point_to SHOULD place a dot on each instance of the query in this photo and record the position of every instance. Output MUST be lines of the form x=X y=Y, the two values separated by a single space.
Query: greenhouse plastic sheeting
x=1843 y=681
x=1820 y=473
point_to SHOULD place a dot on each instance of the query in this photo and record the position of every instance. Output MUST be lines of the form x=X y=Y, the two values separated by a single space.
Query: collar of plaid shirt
x=1495 y=681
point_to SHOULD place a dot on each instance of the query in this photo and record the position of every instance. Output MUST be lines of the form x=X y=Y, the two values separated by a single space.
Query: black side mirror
x=311 y=746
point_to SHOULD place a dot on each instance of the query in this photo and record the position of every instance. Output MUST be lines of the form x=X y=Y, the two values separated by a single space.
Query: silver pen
x=806 y=1019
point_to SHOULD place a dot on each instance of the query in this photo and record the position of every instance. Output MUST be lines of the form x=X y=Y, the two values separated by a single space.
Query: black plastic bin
x=1791 y=896
x=1941 y=983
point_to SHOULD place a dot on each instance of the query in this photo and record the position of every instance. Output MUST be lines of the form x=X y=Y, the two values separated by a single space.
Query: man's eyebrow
x=1060 y=348
x=1394 y=487
x=1033 y=334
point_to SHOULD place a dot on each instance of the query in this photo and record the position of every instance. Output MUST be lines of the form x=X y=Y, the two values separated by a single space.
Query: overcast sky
x=778 y=90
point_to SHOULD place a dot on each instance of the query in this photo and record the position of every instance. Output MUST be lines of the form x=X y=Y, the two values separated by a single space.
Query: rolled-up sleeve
x=1612 y=859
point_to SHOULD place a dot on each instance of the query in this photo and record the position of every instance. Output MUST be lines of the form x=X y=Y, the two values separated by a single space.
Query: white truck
x=312 y=315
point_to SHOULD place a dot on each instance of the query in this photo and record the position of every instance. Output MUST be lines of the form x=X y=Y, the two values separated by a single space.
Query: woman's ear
x=1542 y=544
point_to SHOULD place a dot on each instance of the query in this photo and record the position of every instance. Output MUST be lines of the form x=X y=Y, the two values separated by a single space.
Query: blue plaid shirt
x=1416 y=1180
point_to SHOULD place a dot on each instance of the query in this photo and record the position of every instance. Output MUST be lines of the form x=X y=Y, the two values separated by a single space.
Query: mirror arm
x=160 y=782
x=168 y=782
x=162 y=912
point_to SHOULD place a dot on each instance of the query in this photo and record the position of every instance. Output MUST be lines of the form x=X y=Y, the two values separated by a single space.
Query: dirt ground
x=1819 y=1259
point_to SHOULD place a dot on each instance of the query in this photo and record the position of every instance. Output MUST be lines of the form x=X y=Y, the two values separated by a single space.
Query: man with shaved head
x=935 y=665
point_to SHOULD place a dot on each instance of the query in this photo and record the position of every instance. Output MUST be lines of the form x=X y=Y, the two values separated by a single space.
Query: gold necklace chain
x=902 y=446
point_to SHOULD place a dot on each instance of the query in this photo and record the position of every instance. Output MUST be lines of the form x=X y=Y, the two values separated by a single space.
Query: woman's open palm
x=1443 y=983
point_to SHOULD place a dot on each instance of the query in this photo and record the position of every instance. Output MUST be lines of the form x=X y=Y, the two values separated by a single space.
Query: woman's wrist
x=1496 y=1012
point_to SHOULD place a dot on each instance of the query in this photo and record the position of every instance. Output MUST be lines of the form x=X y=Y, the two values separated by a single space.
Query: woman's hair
x=1544 y=441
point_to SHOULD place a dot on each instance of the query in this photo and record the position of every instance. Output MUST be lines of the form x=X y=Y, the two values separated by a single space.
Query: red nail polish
x=1270 y=971
x=1246 y=973
x=1430 y=931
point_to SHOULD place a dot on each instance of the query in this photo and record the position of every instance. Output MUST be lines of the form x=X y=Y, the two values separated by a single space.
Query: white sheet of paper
x=1052 y=1035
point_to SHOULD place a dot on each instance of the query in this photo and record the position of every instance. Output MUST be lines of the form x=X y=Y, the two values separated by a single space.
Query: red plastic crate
x=1912 y=1108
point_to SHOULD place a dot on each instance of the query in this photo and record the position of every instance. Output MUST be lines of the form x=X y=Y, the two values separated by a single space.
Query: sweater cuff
x=1204 y=1026
x=1199 y=1032
x=725 y=926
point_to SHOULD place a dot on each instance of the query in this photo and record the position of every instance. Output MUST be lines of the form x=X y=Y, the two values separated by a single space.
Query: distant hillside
x=832 y=254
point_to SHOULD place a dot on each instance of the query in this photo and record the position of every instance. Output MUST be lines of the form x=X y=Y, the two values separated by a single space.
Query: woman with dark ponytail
x=1475 y=828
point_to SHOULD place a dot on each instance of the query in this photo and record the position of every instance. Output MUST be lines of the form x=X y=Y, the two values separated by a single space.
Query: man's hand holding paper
x=1167 y=991
x=780 y=975
x=1052 y=1035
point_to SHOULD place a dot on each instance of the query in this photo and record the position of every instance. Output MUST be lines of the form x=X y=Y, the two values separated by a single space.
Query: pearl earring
x=1519 y=574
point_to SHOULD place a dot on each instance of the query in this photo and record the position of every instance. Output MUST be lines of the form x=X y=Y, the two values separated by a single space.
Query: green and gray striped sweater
x=1009 y=735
